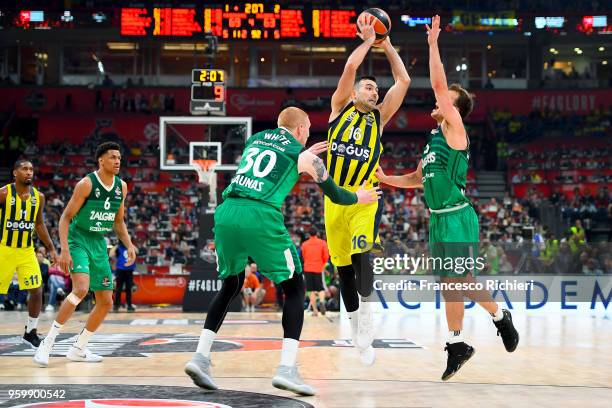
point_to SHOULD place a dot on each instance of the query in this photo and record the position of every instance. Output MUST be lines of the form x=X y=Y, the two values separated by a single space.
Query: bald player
x=250 y=223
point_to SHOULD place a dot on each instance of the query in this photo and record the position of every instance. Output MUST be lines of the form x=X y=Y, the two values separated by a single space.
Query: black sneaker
x=131 y=309
x=458 y=355
x=31 y=338
x=322 y=308
x=508 y=333
x=115 y=308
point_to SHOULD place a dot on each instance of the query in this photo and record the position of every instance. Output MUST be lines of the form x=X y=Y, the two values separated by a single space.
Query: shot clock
x=207 y=92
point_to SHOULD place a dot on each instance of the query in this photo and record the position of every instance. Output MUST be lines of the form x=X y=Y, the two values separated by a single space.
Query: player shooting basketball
x=21 y=213
x=453 y=226
x=355 y=128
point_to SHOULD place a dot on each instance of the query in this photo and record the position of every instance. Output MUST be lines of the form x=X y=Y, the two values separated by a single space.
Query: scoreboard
x=240 y=21
x=207 y=92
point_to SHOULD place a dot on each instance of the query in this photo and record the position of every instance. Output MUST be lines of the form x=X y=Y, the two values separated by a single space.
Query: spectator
x=59 y=282
x=252 y=292
x=315 y=255
x=124 y=275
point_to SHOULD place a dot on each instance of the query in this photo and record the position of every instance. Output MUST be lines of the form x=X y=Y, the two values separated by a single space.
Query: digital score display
x=159 y=21
x=334 y=23
x=254 y=21
x=207 y=75
x=240 y=21
x=207 y=91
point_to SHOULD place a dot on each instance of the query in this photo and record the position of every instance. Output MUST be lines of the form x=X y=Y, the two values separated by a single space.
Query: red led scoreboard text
x=244 y=21
x=159 y=21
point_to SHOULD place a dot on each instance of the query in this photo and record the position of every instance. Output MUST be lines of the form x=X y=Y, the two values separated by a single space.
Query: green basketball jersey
x=268 y=168
x=444 y=172
x=97 y=215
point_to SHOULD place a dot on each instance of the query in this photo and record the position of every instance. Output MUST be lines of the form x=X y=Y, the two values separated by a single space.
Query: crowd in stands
x=562 y=158
x=126 y=100
x=548 y=123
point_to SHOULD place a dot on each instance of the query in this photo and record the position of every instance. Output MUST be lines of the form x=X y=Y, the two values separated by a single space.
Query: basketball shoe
x=287 y=378
x=458 y=355
x=83 y=355
x=198 y=368
x=508 y=333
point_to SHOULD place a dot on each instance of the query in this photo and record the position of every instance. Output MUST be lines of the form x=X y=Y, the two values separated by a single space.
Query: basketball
x=382 y=23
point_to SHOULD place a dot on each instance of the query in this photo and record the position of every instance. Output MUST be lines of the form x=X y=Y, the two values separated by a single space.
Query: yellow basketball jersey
x=354 y=147
x=18 y=218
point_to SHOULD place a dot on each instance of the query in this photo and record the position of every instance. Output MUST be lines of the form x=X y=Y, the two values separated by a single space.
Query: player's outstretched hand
x=367 y=196
x=380 y=174
x=54 y=258
x=366 y=29
x=65 y=261
x=386 y=43
x=131 y=255
x=318 y=148
x=433 y=32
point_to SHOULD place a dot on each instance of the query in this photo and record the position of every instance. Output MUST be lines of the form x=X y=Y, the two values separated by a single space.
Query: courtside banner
x=569 y=271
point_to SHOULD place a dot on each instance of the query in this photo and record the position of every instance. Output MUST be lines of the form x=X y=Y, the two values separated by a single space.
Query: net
x=208 y=177
x=205 y=169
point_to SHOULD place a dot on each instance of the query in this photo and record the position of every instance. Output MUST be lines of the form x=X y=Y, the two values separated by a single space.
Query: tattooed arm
x=313 y=165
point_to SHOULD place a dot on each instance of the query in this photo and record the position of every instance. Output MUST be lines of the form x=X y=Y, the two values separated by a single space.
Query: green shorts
x=246 y=228
x=90 y=256
x=453 y=242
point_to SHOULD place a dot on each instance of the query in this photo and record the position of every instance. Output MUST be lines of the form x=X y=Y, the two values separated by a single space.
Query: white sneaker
x=367 y=356
x=365 y=333
x=41 y=357
x=85 y=355
x=288 y=378
x=49 y=308
x=198 y=368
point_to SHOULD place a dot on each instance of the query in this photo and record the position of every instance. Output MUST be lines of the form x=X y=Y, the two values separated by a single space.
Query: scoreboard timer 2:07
x=207 y=91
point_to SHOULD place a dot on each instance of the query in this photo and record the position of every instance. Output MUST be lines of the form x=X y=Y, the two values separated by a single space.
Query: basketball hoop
x=205 y=169
x=207 y=176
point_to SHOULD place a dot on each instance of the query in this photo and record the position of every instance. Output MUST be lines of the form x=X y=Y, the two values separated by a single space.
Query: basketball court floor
x=563 y=359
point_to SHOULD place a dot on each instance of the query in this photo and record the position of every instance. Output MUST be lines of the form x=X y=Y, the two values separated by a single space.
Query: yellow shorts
x=22 y=260
x=351 y=229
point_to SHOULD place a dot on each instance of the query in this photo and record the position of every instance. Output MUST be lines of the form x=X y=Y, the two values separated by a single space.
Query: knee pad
x=74 y=299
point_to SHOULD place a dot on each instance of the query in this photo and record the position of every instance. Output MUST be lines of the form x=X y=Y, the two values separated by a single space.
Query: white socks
x=54 y=331
x=83 y=339
x=206 y=340
x=289 y=352
x=32 y=323
x=499 y=315
x=354 y=319
x=455 y=337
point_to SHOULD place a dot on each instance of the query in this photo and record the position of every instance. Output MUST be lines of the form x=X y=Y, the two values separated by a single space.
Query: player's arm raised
x=121 y=229
x=455 y=134
x=314 y=166
x=80 y=194
x=410 y=180
x=42 y=232
x=345 y=85
x=395 y=95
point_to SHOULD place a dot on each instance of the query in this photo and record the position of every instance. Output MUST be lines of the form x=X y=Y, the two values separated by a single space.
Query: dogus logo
x=20 y=225
x=350 y=151
x=122 y=403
